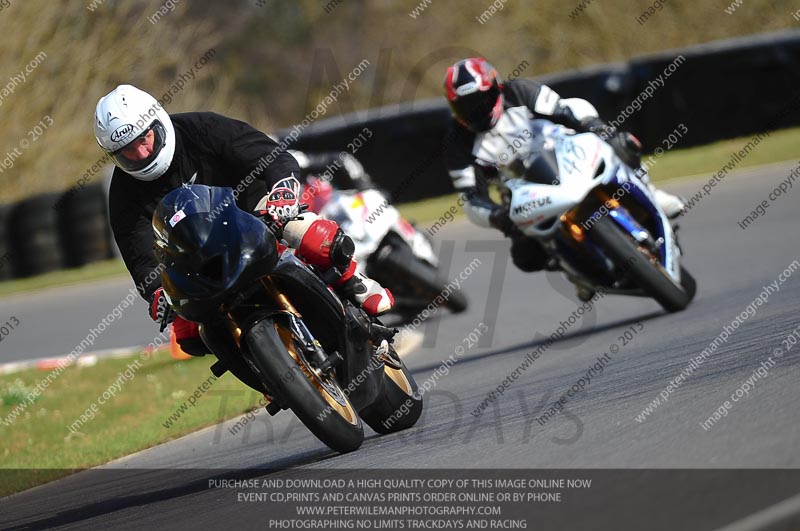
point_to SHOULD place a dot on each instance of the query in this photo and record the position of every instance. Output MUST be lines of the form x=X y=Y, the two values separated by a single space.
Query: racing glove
x=281 y=204
x=160 y=310
x=627 y=147
x=187 y=335
x=499 y=219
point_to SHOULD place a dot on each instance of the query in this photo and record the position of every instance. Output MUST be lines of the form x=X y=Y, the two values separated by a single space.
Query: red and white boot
x=364 y=292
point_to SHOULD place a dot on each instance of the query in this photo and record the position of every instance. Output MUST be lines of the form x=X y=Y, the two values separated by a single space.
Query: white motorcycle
x=595 y=217
x=390 y=250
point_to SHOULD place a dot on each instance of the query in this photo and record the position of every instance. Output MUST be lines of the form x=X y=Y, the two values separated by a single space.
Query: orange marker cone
x=175 y=349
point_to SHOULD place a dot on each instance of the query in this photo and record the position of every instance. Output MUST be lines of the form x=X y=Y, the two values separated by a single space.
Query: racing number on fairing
x=571 y=149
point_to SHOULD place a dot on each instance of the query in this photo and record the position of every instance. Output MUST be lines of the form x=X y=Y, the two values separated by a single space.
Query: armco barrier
x=5 y=252
x=720 y=90
x=403 y=153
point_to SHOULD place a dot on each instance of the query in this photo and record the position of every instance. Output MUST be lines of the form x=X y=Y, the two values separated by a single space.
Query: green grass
x=78 y=275
x=779 y=146
x=427 y=210
x=40 y=446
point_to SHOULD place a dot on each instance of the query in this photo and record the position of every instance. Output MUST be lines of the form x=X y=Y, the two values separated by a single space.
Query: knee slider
x=322 y=243
x=528 y=256
x=342 y=250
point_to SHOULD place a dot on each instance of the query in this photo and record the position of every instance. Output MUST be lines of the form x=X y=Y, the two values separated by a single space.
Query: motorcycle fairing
x=585 y=163
x=368 y=218
x=669 y=252
x=291 y=269
x=209 y=248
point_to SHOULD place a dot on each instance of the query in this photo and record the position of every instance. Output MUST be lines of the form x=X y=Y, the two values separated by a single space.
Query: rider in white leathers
x=477 y=101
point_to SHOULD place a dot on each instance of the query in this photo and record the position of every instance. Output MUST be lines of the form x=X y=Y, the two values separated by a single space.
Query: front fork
x=286 y=311
x=575 y=232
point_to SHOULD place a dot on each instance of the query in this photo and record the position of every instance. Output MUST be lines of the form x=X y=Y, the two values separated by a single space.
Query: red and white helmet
x=474 y=94
x=126 y=114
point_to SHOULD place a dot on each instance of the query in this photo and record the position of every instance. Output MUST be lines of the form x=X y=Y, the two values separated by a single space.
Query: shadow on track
x=144 y=481
x=536 y=343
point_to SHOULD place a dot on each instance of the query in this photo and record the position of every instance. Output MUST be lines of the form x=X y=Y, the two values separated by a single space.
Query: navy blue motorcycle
x=275 y=324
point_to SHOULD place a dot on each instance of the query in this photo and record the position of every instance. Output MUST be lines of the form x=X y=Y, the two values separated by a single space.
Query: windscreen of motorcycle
x=208 y=247
x=540 y=167
x=337 y=209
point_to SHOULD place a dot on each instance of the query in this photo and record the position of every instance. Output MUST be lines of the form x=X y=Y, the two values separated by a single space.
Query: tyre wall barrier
x=84 y=233
x=717 y=91
x=32 y=227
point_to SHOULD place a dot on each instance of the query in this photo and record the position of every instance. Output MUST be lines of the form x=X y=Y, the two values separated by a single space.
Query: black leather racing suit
x=210 y=149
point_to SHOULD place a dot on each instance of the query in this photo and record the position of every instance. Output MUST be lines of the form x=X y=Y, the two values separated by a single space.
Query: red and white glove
x=160 y=308
x=282 y=203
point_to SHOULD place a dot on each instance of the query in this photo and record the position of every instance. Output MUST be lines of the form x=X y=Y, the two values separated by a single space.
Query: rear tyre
x=424 y=278
x=399 y=406
x=318 y=402
x=643 y=268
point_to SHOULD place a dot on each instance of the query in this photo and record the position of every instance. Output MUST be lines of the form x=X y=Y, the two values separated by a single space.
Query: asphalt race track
x=596 y=430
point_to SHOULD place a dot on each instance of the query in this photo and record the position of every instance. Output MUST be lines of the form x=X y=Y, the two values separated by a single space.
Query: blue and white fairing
x=549 y=170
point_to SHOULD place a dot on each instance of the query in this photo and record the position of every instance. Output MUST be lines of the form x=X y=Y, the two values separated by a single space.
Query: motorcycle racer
x=155 y=152
x=477 y=101
x=341 y=169
x=322 y=172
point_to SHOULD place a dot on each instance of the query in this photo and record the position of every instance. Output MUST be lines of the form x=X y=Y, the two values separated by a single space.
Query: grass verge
x=78 y=275
x=780 y=145
x=38 y=446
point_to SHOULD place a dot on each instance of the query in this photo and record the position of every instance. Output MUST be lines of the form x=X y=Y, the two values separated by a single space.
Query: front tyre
x=689 y=283
x=398 y=406
x=318 y=401
x=642 y=267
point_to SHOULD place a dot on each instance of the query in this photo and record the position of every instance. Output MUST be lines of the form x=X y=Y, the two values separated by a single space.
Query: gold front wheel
x=327 y=387
x=318 y=401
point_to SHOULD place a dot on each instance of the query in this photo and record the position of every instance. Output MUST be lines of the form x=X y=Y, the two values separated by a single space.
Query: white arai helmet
x=126 y=114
